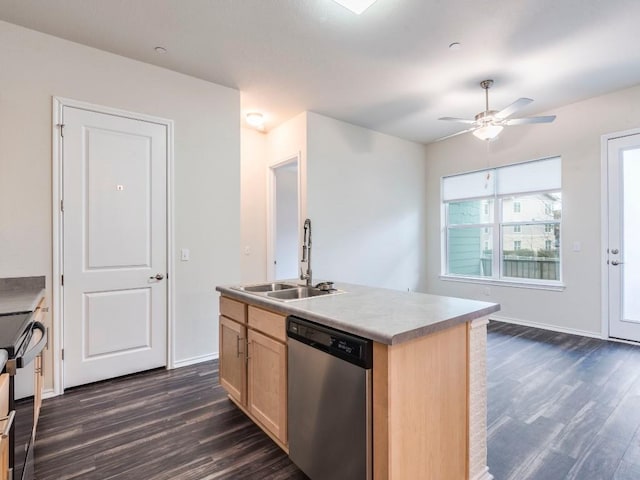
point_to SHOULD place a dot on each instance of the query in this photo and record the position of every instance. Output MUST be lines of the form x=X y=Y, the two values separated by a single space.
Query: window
x=504 y=223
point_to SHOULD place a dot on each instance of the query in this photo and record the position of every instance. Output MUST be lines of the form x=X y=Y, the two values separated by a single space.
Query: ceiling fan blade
x=459 y=120
x=513 y=108
x=526 y=120
x=455 y=134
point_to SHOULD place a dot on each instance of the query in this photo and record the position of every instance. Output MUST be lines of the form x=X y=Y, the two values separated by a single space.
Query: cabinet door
x=267 y=383
x=233 y=371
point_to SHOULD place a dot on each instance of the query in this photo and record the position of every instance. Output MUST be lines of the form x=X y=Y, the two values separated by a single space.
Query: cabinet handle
x=238 y=338
x=9 y=419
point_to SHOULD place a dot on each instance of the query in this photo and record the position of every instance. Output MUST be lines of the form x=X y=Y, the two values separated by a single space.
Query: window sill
x=555 y=286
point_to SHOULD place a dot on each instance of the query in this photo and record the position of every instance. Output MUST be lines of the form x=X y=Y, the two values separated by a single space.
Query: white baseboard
x=49 y=393
x=545 y=326
x=193 y=360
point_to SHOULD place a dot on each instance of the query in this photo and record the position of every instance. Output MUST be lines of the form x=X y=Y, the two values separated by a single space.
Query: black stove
x=12 y=331
x=23 y=339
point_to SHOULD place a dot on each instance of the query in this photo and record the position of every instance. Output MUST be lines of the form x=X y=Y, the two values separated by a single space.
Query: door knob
x=157 y=276
x=614 y=251
x=615 y=262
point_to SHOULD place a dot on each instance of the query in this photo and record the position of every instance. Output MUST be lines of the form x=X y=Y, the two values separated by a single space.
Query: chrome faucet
x=306 y=253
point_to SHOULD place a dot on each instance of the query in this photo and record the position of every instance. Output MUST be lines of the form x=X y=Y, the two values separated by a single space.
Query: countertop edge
x=17 y=301
x=290 y=309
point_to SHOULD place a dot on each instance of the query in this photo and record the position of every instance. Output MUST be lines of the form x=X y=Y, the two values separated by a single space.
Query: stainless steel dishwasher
x=329 y=401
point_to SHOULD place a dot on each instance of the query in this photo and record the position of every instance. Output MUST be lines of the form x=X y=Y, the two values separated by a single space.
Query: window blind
x=534 y=176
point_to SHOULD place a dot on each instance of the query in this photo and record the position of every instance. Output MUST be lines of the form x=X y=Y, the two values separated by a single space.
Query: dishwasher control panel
x=354 y=349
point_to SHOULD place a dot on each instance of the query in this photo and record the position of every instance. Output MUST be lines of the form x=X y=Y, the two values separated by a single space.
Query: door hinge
x=62 y=354
x=62 y=280
x=61 y=125
x=62 y=205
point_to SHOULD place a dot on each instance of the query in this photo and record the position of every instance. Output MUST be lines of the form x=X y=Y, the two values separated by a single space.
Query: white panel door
x=624 y=231
x=115 y=233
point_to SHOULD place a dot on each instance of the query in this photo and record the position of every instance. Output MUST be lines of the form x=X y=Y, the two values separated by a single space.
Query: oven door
x=23 y=439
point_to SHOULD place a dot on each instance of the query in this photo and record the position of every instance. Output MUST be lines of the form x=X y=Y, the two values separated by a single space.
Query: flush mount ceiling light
x=255 y=119
x=356 y=6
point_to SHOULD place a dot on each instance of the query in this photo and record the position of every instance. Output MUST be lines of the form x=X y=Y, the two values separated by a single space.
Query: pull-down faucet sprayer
x=306 y=253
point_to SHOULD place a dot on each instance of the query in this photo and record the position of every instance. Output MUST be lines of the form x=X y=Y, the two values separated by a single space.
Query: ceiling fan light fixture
x=356 y=6
x=488 y=132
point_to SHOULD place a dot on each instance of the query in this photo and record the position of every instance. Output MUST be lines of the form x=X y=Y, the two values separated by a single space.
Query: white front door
x=114 y=245
x=623 y=163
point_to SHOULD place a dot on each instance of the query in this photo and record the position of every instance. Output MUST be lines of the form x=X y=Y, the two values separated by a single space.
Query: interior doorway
x=622 y=231
x=285 y=219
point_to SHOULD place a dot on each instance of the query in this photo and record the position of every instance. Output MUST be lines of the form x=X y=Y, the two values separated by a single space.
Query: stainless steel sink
x=298 y=293
x=286 y=292
x=267 y=287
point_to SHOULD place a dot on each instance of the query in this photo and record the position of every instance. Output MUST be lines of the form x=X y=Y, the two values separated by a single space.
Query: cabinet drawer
x=233 y=309
x=270 y=323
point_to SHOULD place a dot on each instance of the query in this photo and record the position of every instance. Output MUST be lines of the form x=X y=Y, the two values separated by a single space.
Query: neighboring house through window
x=504 y=223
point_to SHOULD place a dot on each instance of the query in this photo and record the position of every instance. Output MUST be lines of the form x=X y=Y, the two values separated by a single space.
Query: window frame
x=497 y=225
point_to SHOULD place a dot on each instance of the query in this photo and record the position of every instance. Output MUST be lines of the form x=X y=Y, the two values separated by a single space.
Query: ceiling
x=389 y=69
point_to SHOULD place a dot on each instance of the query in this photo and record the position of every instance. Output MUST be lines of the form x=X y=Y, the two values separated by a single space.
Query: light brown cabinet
x=267 y=383
x=253 y=364
x=233 y=370
x=38 y=368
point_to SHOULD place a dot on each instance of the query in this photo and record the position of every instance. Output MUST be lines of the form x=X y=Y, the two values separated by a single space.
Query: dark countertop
x=385 y=316
x=11 y=329
x=21 y=294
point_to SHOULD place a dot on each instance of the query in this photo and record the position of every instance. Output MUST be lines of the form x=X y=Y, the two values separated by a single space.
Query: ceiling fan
x=488 y=124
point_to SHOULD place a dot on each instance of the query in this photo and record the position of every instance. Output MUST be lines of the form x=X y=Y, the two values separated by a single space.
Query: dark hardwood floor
x=560 y=407
x=160 y=424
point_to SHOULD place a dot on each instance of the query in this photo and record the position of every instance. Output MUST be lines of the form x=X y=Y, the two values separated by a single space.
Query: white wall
x=36 y=67
x=253 y=206
x=575 y=136
x=366 y=200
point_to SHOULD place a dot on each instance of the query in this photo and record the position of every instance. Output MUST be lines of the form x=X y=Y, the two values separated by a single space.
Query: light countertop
x=385 y=316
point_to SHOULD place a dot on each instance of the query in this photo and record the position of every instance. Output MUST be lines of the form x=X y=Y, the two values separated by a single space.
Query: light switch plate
x=185 y=254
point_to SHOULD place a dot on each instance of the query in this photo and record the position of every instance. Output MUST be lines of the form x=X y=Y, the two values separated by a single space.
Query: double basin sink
x=286 y=291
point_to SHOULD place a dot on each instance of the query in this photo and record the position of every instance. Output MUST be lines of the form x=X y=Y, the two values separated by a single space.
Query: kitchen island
x=429 y=372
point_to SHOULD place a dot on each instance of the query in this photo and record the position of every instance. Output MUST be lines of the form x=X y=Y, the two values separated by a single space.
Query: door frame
x=604 y=225
x=56 y=186
x=271 y=208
